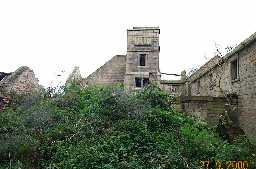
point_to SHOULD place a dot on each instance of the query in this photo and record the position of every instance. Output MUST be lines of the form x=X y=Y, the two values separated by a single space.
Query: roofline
x=223 y=59
x=143 y=28
x=172 y=82
x=242 y=45
x=206 y=71
x=120 y=55
x=89 y=76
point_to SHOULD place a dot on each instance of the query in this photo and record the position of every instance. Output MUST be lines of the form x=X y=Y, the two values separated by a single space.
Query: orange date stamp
x=207 y=164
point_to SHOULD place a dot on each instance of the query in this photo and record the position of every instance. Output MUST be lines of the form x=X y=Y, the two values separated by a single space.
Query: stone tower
x=142 y=60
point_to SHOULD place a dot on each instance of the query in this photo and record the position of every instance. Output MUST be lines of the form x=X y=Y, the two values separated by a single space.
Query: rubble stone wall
x=110 y=73
x=21 y=81
x=218 y=82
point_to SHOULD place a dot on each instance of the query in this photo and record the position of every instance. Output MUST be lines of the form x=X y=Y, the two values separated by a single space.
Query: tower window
x=145 y=81
x=142 y=60
x=234 y=69
x=141 y=82
x=137 y=82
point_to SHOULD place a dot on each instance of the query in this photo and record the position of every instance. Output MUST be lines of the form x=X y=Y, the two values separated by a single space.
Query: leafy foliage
x=108 y=127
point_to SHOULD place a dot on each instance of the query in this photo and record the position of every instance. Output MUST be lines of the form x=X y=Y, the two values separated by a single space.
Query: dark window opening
x=145 y=81
x=141 y=82
x=198 y=86
x=138 y=82
x=173 y=89
x=234 y=70
x=142 y=59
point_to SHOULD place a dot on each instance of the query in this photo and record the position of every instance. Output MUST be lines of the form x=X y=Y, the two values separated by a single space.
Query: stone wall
x=110 y=73
x=207 y=108
x=205 y=81
x=75 y=77
x=217 y=81
x=142 y=41
x=21 y=81
x=174 y=87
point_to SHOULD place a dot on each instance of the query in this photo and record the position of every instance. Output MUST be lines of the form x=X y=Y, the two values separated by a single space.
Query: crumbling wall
x=21 y=81
x=76 y=77
x=110 y=73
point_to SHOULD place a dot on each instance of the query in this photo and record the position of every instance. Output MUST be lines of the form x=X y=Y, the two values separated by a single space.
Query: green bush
x=108 y=127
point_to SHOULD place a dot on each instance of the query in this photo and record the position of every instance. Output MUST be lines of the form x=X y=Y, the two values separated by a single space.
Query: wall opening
x=142 y=60
x=173 y=89
x=141 y=82
x=145 y=81
x=234 y=69
x=137 y=82
x=198 y=85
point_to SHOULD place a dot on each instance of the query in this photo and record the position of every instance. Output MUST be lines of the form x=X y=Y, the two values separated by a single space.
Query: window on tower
x=145 y=81
x=137 y=82
x=142 y=60
x=141 y=82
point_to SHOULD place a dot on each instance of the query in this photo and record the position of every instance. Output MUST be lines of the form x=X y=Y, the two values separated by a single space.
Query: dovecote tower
x=142 y=60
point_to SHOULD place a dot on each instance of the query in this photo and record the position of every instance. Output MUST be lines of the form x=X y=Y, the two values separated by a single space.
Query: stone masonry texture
x=21 y=81
x=205 y=93
x=112 y=72
x=215 y=80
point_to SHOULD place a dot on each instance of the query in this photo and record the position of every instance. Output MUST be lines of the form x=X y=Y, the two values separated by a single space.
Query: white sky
x=54 y=35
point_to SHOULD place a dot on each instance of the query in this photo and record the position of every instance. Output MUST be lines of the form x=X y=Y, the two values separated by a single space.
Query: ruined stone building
x=223 y=85
x=138 y=67
x=21 y=81
x=231 y=78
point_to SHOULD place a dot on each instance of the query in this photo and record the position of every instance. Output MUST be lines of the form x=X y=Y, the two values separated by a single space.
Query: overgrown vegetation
x=106 y=127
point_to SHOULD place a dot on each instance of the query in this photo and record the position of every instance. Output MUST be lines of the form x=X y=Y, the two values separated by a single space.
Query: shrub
x=108 y=127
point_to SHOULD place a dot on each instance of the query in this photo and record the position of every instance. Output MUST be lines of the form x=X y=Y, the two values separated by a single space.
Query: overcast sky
x=52 y=36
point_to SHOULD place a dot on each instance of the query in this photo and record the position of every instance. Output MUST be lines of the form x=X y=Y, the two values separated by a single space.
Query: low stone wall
x=208 y=108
